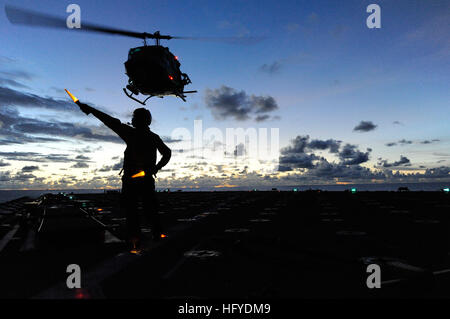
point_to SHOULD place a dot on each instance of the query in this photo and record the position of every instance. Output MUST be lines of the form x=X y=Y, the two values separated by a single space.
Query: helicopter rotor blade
x=22 y=16
x=233 y=40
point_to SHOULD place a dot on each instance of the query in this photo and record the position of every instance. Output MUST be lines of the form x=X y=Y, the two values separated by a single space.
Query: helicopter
x=151 y=69
x=155 y=71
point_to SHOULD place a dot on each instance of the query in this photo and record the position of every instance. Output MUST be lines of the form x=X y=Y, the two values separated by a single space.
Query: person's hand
x=155 y=170
x=84 y=107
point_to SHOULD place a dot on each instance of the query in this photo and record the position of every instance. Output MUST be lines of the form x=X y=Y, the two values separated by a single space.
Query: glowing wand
x=71 y=96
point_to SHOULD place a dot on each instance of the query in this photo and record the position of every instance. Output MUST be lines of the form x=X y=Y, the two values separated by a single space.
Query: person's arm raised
x=108 y=120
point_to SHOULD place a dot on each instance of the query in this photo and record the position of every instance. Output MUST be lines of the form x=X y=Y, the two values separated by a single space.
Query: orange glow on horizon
x=72 y=96
x=225 y=185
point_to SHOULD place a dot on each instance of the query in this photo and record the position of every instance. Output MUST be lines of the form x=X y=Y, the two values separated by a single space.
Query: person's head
x=141 y=118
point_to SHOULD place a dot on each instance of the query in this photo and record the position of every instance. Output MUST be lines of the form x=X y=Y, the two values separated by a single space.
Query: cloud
x=300 y=144
x=116 y=167
x=11 y=97
x=227 y=102
x=272 y=68
x=29 y=169
x=80 y=165
x=403 y=161
x=365 y=126
x=17 y=75
x=13 y=83
x=168 y=139
x=4 y=164
x=16 y=129
x=330 y=144
x=350 y=155
x=82 y=158
x=35 y=157
x=404 y=142
x=299 y=153
x=429 y=141
x=390 y=144
x=301 y=160
x=262 y=118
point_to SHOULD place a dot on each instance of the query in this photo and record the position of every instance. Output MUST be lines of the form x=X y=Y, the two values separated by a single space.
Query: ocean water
x=7 y=195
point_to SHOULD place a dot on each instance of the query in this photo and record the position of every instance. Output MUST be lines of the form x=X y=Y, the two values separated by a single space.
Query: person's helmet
x=141 y=117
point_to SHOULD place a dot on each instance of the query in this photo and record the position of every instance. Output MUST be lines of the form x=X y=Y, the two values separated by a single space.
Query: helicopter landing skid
x=130 y=95
x=182 y=96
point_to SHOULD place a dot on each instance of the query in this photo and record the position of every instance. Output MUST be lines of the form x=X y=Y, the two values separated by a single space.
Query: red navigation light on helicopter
x=171 y=77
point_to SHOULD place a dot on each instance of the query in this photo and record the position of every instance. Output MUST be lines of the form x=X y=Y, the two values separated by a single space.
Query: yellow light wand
x=140 y=174
x=71 y=96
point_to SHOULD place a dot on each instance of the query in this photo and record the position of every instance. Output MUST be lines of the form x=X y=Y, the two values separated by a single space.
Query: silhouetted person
x=140 y=155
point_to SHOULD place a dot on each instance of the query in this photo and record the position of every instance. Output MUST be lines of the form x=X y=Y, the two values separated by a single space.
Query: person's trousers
x=136 y=191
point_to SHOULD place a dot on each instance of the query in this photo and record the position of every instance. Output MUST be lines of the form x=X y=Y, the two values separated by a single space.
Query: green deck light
x=446 y=190
x=295 y=190
x=353 y=190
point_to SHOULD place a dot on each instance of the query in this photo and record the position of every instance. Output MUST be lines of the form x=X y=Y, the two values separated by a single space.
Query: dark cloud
x=350 y=155
x=282 y=168
x=116 y=167
x=17 y=75
x=5 y=176
x=300 y=144
x=23 y=177
x=301 y=160
x=262 y=104
x=365 y=126
x=35 y=157
x=3 y=164
x=12 y=83
x=299 y=153
x=82 y=158
x=438 y=172
x=227 y=102
x=330 y=144
x=404 y=142
x=391 y=144
x=29 y=169
x=429 y=141
x=80 y=165
x=168 y=139
x=262 y=118
x=15 y=129
x=272 y=68
x=403 y=161
x=10 y=97
x=326 y=170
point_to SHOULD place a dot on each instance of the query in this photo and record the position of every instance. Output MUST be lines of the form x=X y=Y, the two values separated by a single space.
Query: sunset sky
x=351 y=104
